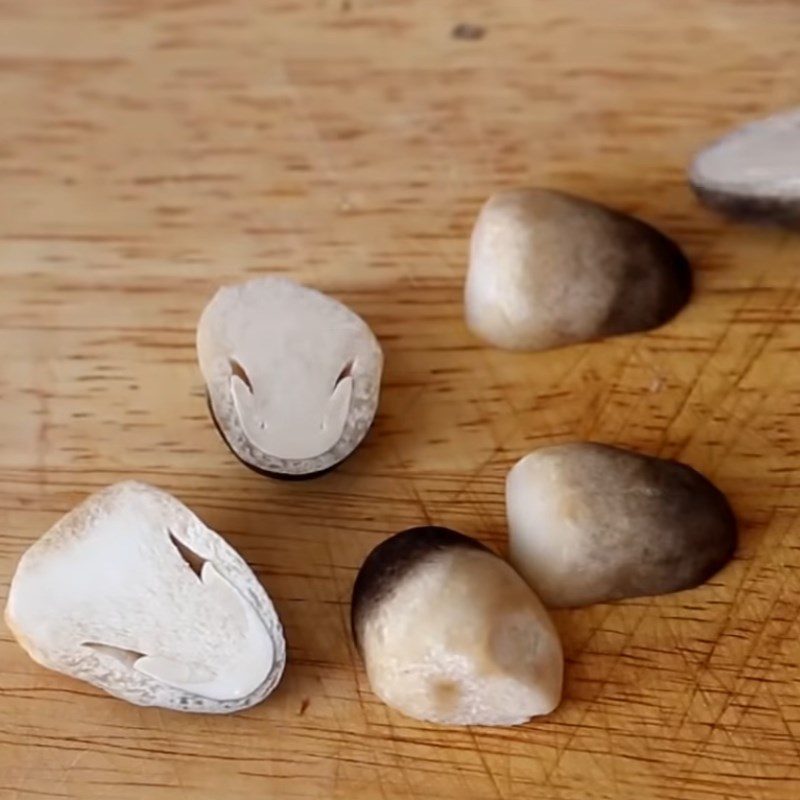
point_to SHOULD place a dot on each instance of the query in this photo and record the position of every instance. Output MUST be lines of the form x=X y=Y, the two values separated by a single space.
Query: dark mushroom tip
x=628 y=314
x=779 y=212
x=393 y=559
x=752 y=173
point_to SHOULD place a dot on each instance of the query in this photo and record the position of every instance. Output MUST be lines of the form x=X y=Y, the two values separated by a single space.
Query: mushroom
x=449 y=633
x=753 y=173
x=548 y=269
x=589 y=523
x=292 y=375
x=132 y=593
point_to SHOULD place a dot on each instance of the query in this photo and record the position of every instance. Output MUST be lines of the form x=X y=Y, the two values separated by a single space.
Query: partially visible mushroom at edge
x=753 y=172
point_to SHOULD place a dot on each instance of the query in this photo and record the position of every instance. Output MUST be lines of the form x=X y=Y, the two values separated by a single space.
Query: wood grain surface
x=151 y=150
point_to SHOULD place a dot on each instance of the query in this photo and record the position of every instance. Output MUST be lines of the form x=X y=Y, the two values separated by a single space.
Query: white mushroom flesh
x=293 y=375
x=131 y=592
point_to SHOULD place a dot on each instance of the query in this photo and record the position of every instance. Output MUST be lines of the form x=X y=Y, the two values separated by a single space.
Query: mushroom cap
x=293 y=376
x=589 y=523
x=549 y=269
x=449 y=633
x=753 y=172
x=132 y=593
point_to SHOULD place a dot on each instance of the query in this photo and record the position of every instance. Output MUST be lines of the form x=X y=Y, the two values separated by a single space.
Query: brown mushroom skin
x=767 y=211
x=590 y=523
x=750 y=173
x=549 y=269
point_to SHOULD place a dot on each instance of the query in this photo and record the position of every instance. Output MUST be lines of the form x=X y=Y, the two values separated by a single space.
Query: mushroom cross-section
x=132 y=593
x=292 y=375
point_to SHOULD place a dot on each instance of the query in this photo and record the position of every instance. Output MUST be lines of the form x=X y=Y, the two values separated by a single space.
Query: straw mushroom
x=292 y=375
x=132 y=593
x=449 y=633
x=589 y=523
x=548 y=269
x=753 y=173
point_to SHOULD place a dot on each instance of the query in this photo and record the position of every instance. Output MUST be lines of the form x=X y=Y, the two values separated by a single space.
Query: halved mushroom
x=753 y=173
x=132 y=593
x=548 y=269
x=293 y=376
x=449 y=633
x=589 y=523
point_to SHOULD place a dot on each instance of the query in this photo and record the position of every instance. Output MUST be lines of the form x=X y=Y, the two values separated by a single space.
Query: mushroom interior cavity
x=131 y=592
x=304 y=429
x=233 y=680
x=292 y=374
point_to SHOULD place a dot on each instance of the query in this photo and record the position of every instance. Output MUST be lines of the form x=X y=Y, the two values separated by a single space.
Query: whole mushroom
x=449 y=633
x=589 y=523
x=548 y=269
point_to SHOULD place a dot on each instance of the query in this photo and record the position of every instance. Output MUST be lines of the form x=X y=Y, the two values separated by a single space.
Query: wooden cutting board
x=153 y=149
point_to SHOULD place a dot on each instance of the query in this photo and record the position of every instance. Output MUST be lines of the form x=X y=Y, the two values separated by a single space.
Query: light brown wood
x=153 y=149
